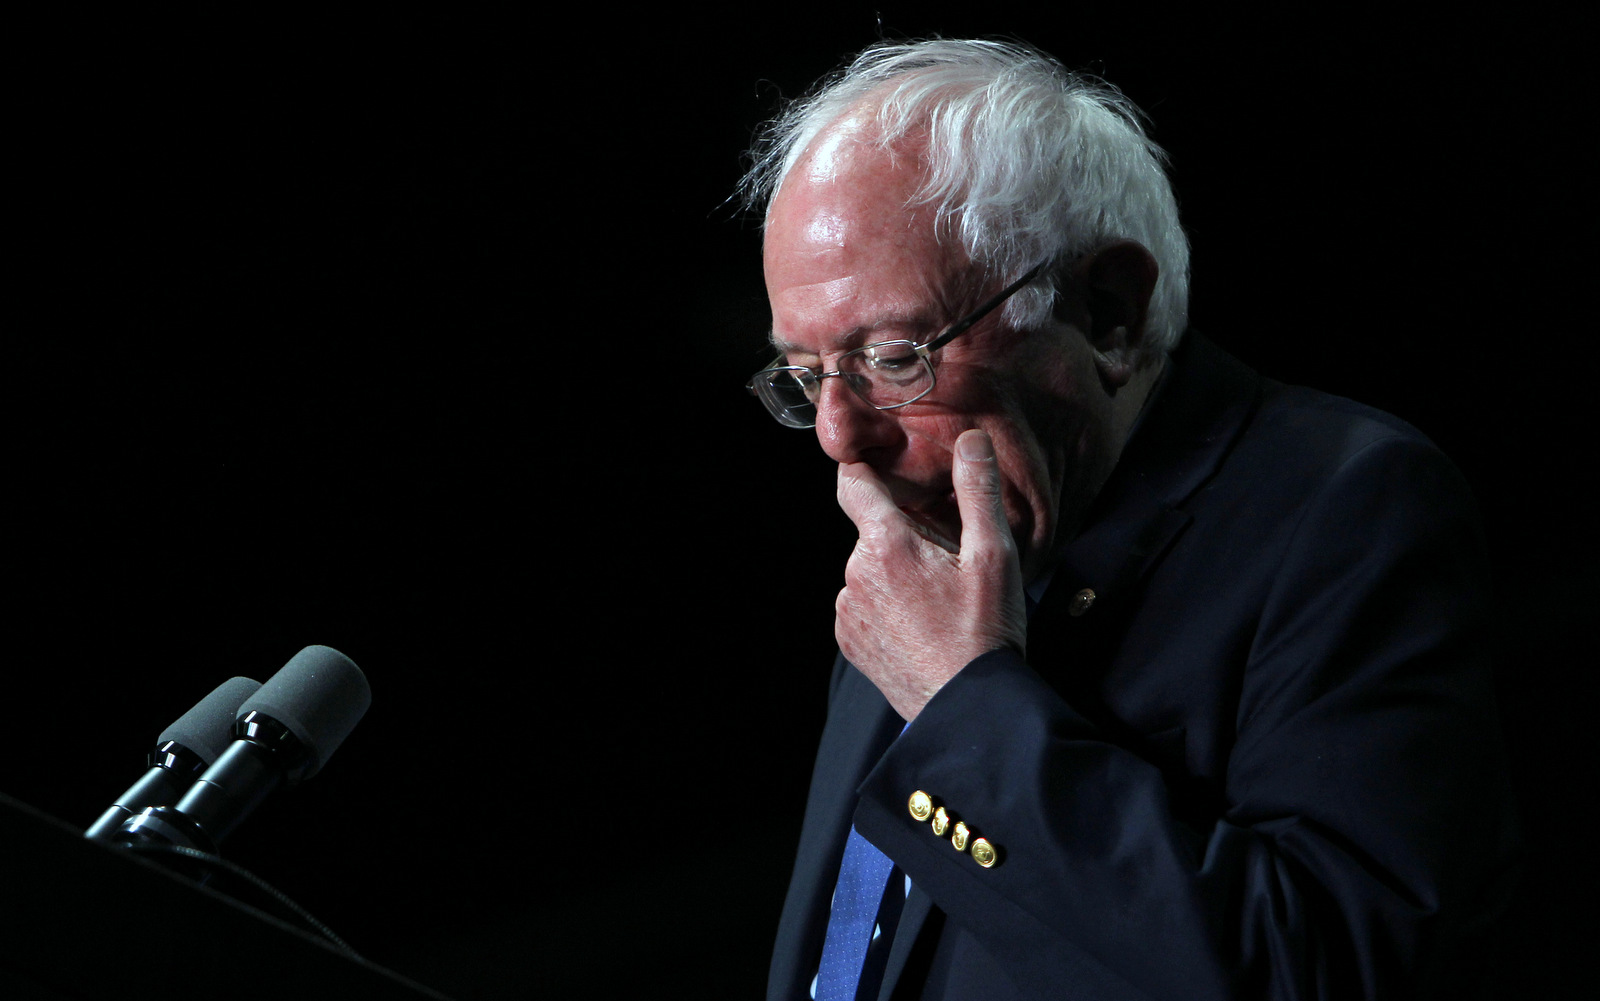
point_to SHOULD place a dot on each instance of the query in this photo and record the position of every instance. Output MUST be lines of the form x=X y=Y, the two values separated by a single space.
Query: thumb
x=977 y=482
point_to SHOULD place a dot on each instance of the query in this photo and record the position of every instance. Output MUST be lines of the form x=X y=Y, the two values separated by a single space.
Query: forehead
x=848 y=259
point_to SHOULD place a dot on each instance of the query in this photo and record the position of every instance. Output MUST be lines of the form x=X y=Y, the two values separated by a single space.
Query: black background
x=425 y=337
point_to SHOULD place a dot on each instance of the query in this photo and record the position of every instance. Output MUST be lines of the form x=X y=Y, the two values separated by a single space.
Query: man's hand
x=915 y=609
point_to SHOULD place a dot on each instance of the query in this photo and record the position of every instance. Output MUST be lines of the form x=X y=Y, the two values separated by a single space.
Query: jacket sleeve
x=1362 y=835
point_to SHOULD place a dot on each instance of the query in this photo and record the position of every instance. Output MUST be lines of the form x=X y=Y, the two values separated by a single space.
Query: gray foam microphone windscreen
x=207 y=729
x=320 y=695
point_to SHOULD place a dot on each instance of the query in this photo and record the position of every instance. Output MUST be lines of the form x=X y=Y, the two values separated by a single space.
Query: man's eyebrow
x=915 y=326
x=782 y=346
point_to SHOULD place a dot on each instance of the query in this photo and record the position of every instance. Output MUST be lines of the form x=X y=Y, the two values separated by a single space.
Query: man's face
x=848 y=264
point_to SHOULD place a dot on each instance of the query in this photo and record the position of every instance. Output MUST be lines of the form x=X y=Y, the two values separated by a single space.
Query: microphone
x=283 y=734
x=183 y=751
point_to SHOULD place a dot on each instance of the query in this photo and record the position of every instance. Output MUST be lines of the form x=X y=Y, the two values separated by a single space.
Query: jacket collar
x=1207 y=400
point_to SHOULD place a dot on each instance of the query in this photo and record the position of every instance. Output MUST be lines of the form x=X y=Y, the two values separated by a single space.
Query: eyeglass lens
x=885 y=375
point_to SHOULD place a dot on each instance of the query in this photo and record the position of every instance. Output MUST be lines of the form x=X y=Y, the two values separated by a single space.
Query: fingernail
x=974 y=447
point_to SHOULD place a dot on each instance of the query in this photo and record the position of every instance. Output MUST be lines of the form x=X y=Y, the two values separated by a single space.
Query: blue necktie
x=863 y=874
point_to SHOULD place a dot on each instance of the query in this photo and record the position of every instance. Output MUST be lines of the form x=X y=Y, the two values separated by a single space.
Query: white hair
x=1029 y=161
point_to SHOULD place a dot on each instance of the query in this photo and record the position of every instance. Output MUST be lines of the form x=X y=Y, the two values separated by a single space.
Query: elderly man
x=1157 y=679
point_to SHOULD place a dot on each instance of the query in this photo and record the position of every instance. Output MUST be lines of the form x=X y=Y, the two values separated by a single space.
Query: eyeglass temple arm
x=963 y=325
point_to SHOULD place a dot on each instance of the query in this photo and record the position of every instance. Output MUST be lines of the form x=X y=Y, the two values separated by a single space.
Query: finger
x=977 y=482
x=863 y=496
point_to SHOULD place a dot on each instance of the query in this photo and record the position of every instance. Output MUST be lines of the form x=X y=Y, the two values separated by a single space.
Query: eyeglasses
x=887 y=375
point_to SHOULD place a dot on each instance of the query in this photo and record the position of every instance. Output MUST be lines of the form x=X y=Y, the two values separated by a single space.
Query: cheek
x=1033 y=461
x=931 y=438
x=1028 y=494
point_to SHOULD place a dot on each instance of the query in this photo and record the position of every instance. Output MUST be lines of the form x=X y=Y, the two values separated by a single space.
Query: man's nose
x=848 y=427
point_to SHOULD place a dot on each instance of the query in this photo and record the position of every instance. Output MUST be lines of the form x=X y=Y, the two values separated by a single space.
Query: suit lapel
x=1207 y=401
x=917 y=909
x=861 y=725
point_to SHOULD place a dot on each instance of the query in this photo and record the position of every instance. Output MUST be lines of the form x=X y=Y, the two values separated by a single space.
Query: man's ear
x=1120 y=277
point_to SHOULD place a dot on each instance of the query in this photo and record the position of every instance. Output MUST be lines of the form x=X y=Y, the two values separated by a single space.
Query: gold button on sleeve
x=983 y=853
x=959 y=838
x=921 y=805
x=941 y=821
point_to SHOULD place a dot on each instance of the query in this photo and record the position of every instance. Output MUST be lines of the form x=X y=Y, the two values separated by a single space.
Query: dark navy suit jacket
x=1264 y=763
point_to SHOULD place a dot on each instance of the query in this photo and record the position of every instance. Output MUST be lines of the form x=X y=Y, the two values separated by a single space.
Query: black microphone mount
x=283 y=734
x=183 y=751
x=262 y=757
